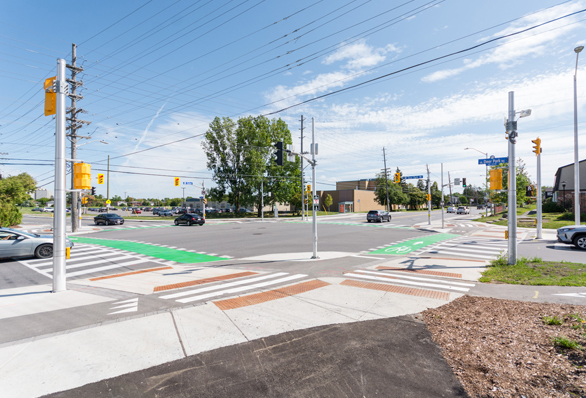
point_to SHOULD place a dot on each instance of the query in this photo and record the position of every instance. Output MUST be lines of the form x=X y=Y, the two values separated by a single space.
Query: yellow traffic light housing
x=496 y=179
x=537 y=146
x=82 y=176
x=50 y=96
x=308 y=187
x=101 y=179
x=176 y=181
x=397 y=178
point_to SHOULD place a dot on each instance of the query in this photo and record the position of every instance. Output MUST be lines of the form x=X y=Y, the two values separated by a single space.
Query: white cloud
x=514 y=50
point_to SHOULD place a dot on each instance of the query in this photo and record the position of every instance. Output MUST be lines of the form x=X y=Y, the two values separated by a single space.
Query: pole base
x=315 y=257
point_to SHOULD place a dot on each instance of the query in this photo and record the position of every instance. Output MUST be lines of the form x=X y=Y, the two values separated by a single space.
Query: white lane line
x=134 y=309
x=378 y=278
x=93 y=263
x=223 y=286
x=125 y=306
x=375 y=258
x=471 y=250
x=464 y=254
x=212 y=254
x=105 y=268
x=134 y=300
x=415 y=278
x=50 y=263
x=467 y=247
x=242 y=288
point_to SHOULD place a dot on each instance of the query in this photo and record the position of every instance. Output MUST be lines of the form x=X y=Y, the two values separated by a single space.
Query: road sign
x=493 y=161
x=413 y=178
x=187 y=183
x=84 y=200
x=203 y=192
x=108 y=202
x=201 y=197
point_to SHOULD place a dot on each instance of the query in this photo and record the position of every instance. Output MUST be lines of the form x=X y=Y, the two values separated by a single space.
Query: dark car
x=181 y=211
x=110 y=218
x=189 y=219
x=378 y=216
x=38 y=209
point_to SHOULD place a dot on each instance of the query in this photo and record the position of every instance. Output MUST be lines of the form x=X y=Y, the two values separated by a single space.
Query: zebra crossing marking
x=486 y=249
x=125 y=306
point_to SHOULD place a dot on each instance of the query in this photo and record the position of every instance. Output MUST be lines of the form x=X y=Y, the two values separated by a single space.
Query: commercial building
x=42 y=193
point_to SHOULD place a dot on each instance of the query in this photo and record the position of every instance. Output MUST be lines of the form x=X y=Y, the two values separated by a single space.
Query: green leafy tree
x=416 y=197
x=463 y=199
x=522 y=181
x=43 y=201
x=328 y=201
x=396 y=195
x=14 y=190
x=116 y=198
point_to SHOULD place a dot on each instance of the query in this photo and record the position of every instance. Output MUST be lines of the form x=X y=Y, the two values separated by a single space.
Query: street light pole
x=486 y=177
x=576 y=160
x=512 y=208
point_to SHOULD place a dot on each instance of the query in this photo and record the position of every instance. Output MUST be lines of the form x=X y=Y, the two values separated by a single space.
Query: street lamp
x=564 y=195
x=486 y=175
x=576 y=161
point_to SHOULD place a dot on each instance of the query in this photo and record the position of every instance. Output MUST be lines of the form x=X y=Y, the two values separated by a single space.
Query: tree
x=416 y=197
x=43 y=201
x=175 y=202
x=396 y=195
x=328 y=201
x=522 y=181
x=116 y=198
x=463 y=200
x=240 y=157
x=14 y=190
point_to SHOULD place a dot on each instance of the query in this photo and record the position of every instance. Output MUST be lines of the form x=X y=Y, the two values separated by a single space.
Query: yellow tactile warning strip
x=202 y=281
x=142 y=271
x=398 y=289
x=422 y=271
x=263 y=297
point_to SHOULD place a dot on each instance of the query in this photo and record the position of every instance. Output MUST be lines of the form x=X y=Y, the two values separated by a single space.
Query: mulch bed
x=503 y=348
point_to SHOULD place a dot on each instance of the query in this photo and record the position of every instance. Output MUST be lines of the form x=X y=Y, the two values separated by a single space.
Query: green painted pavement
x=164 y=253
x=412 y=245
x=381 y=225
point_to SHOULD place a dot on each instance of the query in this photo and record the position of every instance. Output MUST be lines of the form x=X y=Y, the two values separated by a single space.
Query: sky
x=424 y=79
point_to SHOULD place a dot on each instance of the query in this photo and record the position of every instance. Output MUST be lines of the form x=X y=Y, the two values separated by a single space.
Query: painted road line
x=222 y=286
x=412 y=283
x=50 y=263
x=241 y=288
x=470 y=249
x=87 y=264
x=105 y=268
x=412 y=245
x=204 y=281
x=142 y=271
x=415 y=278
x=374 y=258
x=163 y=253
x=126 y=306
x=463 y=254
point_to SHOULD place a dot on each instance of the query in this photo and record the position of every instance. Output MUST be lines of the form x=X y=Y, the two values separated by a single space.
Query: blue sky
x=157 y=72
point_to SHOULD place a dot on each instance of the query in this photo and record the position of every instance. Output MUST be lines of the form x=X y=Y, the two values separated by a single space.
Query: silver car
x=15 y=243
x=573 y=235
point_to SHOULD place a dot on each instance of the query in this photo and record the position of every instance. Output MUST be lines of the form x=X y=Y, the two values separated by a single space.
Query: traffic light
x=82 y=176
x=464 y=182
x=279 y=153
x=205 y=201
x=528 y=191
x=308 y=187
x=397 y=178
x=94 y=191
x=537 y=146
x=496 y=179
x=84 y=200
x=50 y=96
x=176 y=181
x=100 y=179
x=428 y=197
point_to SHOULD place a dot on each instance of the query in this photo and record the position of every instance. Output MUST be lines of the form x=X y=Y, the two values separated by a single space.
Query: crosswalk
x=88 y=260
x=417 y=282
x=358 y=224
x=140 y=226
x=469 y=247
x=217 y=290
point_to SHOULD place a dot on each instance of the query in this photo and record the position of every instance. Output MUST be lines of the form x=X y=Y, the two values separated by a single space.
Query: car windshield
x=111 y=215
x=20 y=232
x=372 y=212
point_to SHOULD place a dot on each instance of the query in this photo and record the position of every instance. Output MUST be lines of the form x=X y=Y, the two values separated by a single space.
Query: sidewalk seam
x=236 y=326
x=178 y=334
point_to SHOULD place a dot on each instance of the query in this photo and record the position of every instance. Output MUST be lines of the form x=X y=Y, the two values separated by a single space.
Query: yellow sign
x=108 y=202
x=496 y=179
x=176 y=181
x=50 y=96
x=82 y=176
x=100 y=179
x=84 y=200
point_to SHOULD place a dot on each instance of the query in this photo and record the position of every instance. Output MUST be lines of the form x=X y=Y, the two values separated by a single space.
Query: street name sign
x=413 y=178
x=493 y=161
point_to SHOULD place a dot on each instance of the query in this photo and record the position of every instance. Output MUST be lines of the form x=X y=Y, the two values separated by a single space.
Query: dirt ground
x=504 y=348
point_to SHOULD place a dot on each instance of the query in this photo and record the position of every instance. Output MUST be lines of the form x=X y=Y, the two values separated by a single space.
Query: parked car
x=378 y=216
x=136 y=211
x=113 y=208
x=451 y=209
x=48 y=210
x=37 y=209
x=242 y=210
x=463 y=210
x=480 y=207
x=181 y=211
x=165 y=213
x=23 y=244
x=189 y=219
x=573 y=235
x=107 y=219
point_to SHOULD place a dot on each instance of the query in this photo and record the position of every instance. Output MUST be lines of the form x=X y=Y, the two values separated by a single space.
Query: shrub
x=552 y=320
x=551 y=207
x=9 y=215
x=564 y=342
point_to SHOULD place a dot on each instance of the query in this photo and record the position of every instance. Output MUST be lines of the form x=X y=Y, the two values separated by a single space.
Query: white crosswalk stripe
x=88 y=259
x=227 y=288
x=474 y=248
x=403 y=278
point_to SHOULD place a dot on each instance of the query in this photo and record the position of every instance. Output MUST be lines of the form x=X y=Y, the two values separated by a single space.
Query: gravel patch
x=505 y=348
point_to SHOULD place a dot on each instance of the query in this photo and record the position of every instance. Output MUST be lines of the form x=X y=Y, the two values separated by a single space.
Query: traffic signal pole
x=59 y=282
x=539 y=213
x=512 y=182
x=314 y=212
x=428 y=198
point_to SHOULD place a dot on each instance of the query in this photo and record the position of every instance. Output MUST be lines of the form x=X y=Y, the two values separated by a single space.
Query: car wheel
x=580 y=242
x=189 y=223
x=44 y=251
x=176 y=222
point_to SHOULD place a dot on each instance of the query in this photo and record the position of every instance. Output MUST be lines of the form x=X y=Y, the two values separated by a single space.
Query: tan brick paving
x=252 y=299
x=433 y=294
x=422 y=271
x=203 y=281
x=142 y=271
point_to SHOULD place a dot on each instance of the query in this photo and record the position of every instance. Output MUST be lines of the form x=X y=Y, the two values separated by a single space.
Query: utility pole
x=450 y=185
x=429 y=197
x=512 y=180
x=74 y=125
x=314 y=212
x=59 y=281
x=442 y=200
x=302 y=179
x=539 y=213
x=203 y=193
x=386 y=181
x=183 y=204
x=108 y=186
x=262 y=202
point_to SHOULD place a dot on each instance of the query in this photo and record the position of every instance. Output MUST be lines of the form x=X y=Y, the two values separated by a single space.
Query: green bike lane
x=413 y=245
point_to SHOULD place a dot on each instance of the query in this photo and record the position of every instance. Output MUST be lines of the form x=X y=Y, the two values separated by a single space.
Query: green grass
x=552 y=320
x=564 y=342
x=549 y=220
x=535 y=272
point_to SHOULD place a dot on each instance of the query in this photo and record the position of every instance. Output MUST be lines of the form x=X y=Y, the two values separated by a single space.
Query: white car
x=47 y=210
x=463 y=210
x=451 y=209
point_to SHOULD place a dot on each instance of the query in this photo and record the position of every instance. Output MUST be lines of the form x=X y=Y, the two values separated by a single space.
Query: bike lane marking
x=412 y=245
